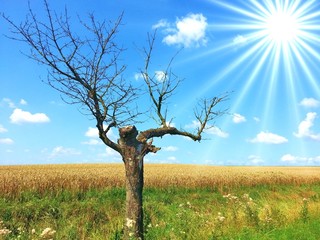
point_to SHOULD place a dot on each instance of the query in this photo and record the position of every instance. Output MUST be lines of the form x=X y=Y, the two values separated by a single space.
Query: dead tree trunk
x=133 y=152
x=134 y=188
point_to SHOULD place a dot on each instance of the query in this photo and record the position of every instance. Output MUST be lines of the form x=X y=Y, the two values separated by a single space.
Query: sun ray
x=310 y=77
x=282 y=51
x=250 y=81
x=236 y=9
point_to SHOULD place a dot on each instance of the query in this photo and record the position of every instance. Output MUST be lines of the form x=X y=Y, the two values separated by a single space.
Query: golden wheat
x=42 y=178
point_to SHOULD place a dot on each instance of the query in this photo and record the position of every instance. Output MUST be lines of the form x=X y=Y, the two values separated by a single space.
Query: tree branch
x=84 y=69
x=204 y=114
x=160 y=132
x=162 y=84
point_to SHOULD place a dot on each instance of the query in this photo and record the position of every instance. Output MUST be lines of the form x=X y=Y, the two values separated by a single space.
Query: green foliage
x=280 y=212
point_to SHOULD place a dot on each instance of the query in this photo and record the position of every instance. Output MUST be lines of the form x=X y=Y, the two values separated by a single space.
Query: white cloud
x=23 y=102
x=288 y=158
x=62 y=151
x=172 y=158
x=256 y=119
x=160 y=76
x=310 y=102
x=295 y=159
x=213 y=130
x=19 y=116
x=170 y=149
x=163 y=23
x=93 y=132
x=110 y=155
x=138 y=76
x=237 y=118
x=254 y=159
x=270 y=138
x=217 y=131
x=188 y=31
x=3 y=129
x=304 y=129
x=9 y=102
x=194 y=124
x=239 y=39
x=6 y=141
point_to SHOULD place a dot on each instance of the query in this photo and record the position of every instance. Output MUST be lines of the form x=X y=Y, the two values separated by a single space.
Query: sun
x=282 y=27
x=275 y=45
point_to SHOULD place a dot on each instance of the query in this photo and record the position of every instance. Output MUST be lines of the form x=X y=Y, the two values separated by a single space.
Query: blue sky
x=265 y=53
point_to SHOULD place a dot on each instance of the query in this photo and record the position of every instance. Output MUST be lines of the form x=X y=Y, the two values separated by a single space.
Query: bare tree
x=86 y=69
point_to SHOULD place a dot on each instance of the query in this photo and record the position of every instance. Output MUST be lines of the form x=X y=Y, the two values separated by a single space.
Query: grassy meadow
x=180 y=202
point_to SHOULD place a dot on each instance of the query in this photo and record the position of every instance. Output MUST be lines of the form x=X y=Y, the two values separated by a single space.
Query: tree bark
x=132 y=152
x=134 y=187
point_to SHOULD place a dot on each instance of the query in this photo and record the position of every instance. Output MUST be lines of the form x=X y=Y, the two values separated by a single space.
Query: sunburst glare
x=281 y=33
x=272 y=58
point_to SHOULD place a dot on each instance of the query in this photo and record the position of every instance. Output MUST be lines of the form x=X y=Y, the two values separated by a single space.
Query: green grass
x=275 y=212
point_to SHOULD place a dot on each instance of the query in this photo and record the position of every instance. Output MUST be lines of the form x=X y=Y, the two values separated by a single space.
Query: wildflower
x=220 y=217
x=247 y=197
x=227 y=196
x=305 y=199
x=47 y=233
x=4 y=231
x=268 y=219
x=231 y=198
x=130 y=222
x=33 y=231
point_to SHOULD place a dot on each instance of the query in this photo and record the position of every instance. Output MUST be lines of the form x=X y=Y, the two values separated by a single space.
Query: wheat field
x=86 y=201
x=42 y=178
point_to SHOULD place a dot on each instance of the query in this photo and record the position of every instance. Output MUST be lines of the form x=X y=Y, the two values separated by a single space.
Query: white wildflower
x=3 y=229
x=47 y=233
x=130 y=223
x=220 y=217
